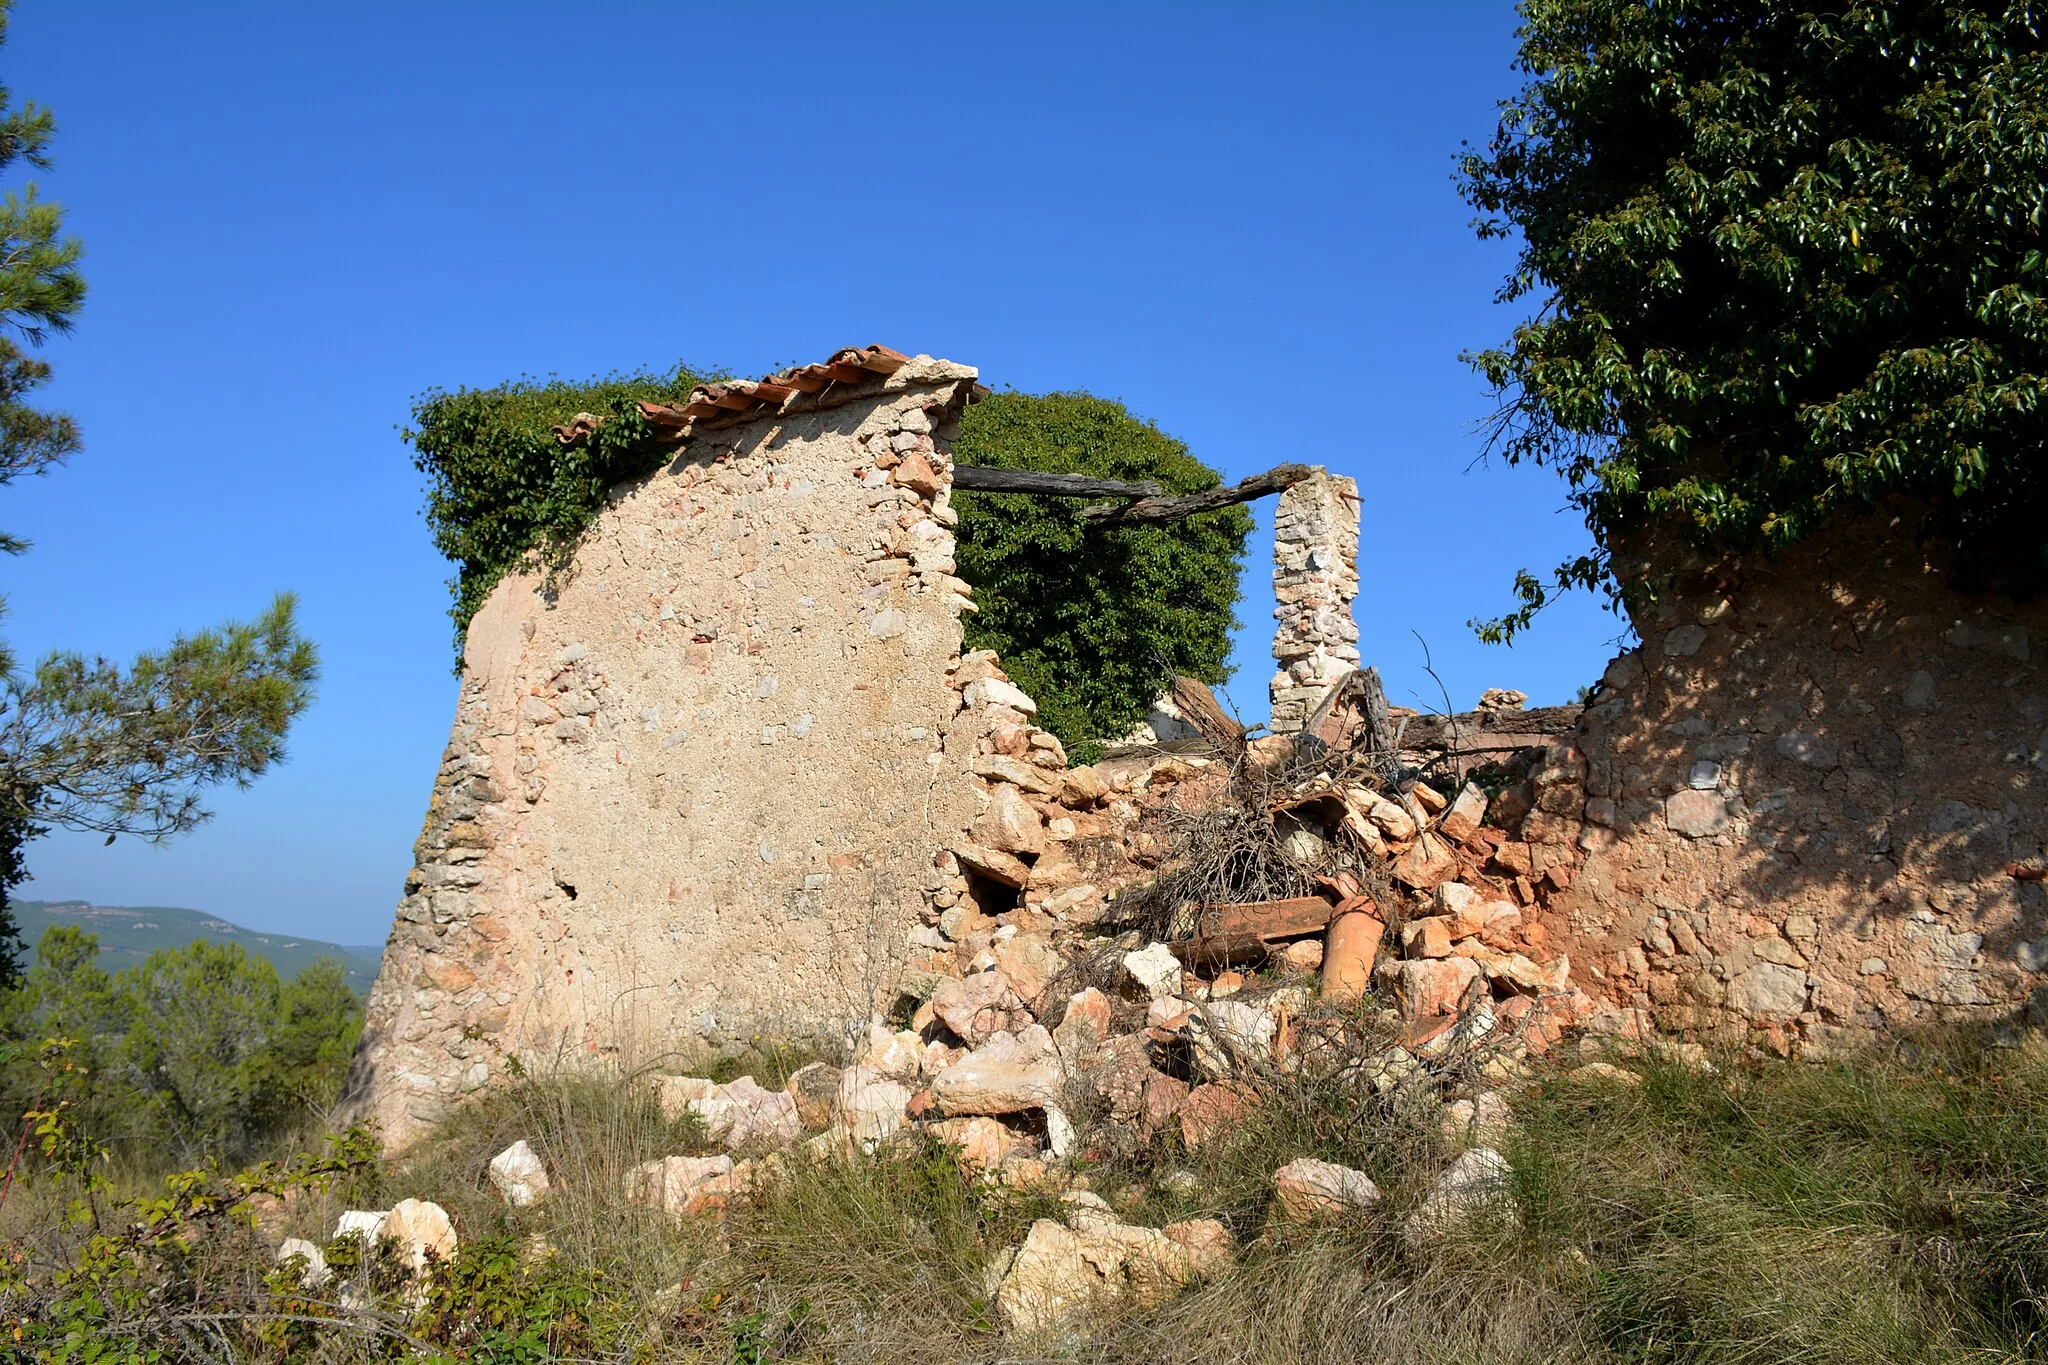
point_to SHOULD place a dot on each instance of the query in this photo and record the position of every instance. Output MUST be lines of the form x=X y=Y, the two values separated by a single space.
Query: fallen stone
x=1427 y=937
x=681 y=1185
x=1082 y=788
x=1007 y=1075
x=1065 y=1274
x=1084 y=1028
x=675 y=1094
x=815 y=1090
x=993 y=864
x=996 y=692
x=1303 y=956
x=520 y=1178
x=1484 y=1119
x=980 y=1006
x=1228 y=1036
x=869 y=1105
x=1009 y=825
x=755 y=1116
x=1392 y=820
x=422 y=1232
x=1525 y=974
x=1155 y=969
x=1210 y=1111
x=1163 y=1098
x=1169 y=1013
x=1029 y=964
x=1428 y=987
x=1425 y=863
x=1307 y=1189
x=1604 y=1073
x=1118 y=1076
x=313 y=1273
x=1466 y=814
x=897 y=1054
x=367 y=1224
x=1083 y=904
x=1479 y=1178
x=981 y=1143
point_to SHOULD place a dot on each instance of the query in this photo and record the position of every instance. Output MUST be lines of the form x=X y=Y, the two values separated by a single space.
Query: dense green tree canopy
x=1789 y=261
x=1092 y=621
x=200 y=1049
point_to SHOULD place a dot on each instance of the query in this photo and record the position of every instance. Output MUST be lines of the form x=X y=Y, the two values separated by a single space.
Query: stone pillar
x=1315 y=577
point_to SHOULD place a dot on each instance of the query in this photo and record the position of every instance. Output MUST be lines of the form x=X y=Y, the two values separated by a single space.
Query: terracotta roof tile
x=731 y=401
x=854 y=365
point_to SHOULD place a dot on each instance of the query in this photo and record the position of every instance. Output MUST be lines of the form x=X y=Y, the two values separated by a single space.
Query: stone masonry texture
x=694 y=788
x=1810 y=807
x=1315 y=578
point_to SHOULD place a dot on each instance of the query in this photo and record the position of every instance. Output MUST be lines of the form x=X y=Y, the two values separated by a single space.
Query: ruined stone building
x=732 y=774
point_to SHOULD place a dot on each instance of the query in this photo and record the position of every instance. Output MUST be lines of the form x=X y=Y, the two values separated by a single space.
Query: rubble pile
x=1037 y=1025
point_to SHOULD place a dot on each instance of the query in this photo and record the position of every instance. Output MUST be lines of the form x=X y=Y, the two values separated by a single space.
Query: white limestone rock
x=518 y=1175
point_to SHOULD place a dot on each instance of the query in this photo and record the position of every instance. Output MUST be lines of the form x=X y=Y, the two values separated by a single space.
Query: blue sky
x=1239 y=219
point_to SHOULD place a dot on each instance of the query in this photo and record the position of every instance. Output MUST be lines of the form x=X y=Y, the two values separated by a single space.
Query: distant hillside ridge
x=130 y=933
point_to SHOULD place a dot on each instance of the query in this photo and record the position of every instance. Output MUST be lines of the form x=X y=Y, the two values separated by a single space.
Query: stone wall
x=1809 y=808
x=693 y=790
x=1315 y=578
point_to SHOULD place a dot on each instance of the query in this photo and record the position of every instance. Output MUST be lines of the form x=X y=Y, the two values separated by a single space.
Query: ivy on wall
x=504 y=495
x=1094 y=622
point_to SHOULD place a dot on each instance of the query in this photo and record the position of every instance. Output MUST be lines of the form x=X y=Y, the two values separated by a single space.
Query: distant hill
x=130 y=933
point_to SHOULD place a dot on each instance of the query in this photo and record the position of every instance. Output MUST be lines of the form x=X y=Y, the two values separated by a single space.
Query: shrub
x=1788 y=261
x=1093 y=622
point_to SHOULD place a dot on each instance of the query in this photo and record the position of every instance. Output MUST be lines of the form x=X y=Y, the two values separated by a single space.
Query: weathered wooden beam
x=1199 y=707
x=1540 y=723
x=1176 y=508
x=1240 y=932
x=1353 y=715
x=979 y=479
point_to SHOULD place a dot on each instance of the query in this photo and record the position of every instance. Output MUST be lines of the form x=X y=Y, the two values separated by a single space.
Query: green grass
x=1882 y=1208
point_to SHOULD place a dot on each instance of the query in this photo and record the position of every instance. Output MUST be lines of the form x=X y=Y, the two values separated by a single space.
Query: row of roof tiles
x=731 y=399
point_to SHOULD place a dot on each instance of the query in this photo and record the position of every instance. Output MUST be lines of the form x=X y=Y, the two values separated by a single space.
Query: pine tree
x=90 y=744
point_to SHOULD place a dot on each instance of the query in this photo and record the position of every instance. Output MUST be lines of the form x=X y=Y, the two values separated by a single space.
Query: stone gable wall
x=1794 y=813
x=692 y=791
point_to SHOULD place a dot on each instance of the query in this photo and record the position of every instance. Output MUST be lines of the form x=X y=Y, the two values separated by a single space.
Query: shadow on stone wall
x=1798 y=801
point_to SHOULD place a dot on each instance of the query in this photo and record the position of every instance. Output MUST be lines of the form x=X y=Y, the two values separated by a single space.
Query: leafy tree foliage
x=503 y=494
x=1791 y=263
x=1093 y=622
x=124 y=751
x=200 y=1049
x=88 y=744
x=41 y=290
